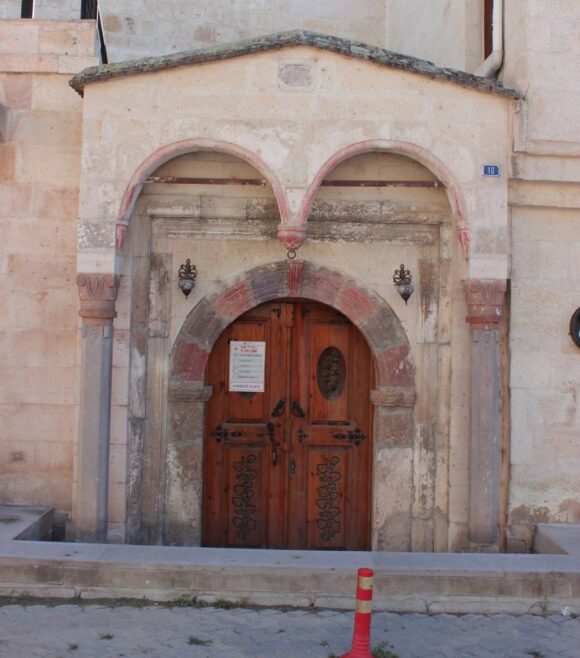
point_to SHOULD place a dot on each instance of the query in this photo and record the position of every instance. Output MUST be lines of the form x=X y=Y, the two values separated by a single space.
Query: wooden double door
x=290 y=467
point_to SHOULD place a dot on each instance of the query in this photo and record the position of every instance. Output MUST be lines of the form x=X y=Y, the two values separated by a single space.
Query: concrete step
x=418 y=582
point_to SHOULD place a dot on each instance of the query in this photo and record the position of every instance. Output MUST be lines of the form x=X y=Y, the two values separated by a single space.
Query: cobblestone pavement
x=102 y=631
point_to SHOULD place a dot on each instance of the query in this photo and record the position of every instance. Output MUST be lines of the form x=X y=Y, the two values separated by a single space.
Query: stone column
x=184 y=480
x=394 y=432
x=98 y=293
x=485 y=299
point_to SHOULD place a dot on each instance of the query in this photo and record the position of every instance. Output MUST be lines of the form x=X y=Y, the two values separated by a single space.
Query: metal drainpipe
x=493 y=63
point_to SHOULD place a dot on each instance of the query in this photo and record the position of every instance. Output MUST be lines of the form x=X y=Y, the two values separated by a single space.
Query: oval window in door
x=331 y=373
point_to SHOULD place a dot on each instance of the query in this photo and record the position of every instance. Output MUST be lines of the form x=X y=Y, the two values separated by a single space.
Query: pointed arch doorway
x=290 y=467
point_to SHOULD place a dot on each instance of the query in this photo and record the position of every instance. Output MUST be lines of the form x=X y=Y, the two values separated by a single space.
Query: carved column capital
x=97 y=294
x=485 y=300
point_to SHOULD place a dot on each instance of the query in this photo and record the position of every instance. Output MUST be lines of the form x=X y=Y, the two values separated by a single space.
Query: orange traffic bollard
x=361 y=636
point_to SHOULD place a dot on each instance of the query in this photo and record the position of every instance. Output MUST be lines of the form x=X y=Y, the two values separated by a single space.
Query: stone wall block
x=235 y=300
x=57 y=203
x=186 y=424
x=190 y=360
x=427 y=374
x=16 y=199
x=17 y=90
x=270 y=283
x=395 y=367
x=424 y=472
x=29 y=63
x=428 y=300
x=394 y=396
x=8 y=153
x=57 y=39
x=393 y=485
x=18 y=37
x=321 y=284
x=183 y=493
x=354 y=302
x=383 y=329
x=394 y=427
x=205 y=323
x=136 y=440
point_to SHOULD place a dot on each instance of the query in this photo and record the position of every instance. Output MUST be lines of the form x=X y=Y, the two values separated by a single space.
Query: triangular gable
x=353 y=49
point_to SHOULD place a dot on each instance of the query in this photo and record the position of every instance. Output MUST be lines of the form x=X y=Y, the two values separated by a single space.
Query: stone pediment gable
x=341 y=46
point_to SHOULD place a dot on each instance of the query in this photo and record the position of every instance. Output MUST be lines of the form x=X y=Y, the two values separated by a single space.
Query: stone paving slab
x=156 y=631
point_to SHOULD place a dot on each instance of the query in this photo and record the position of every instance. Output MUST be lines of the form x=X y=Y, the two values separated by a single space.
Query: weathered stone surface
x=345 y=47
x=205 y=323
x=190 y=360
x=393 y=396
x=269 y=283
x=395 y=367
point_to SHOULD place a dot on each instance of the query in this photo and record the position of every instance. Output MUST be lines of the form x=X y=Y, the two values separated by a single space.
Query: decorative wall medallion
x=328 y=495
x=331 y=373
x=244 y=520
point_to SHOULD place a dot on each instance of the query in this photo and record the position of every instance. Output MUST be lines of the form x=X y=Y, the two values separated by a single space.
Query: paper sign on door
x=247 y=366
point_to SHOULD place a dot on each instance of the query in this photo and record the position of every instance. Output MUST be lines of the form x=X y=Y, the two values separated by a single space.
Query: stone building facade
x=288 y=165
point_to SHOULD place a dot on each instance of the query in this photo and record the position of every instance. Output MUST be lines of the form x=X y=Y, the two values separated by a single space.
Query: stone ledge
x=404 y=582
x=326 y=42
x=557 y=539
x=394 y=396
x=25 y=522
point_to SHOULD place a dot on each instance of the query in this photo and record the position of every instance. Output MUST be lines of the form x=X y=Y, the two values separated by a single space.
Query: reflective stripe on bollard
x=361 y=636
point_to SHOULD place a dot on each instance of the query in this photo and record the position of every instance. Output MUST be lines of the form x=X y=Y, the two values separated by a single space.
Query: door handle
x=275 y=444
x=292 y=466
x=297 y=410
x=278 y=410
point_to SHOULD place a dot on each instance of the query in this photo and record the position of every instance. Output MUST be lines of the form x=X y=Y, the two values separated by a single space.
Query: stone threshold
x=404 y=582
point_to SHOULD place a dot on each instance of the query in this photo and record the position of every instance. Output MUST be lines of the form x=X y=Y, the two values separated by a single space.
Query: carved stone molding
x=393 y=396
x=97 y=293
x=295 y=275
x=291 y=236
x=189 y=391
x=485 y=300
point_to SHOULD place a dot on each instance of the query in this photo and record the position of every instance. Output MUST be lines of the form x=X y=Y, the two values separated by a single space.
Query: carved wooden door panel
x=330 y=438
x=244 y=465
x=290 y=467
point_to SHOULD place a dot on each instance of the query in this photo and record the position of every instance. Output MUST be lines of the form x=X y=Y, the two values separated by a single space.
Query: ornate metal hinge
x=354 y=436
x=297 y=410
x=302 y=436
x=221 y=433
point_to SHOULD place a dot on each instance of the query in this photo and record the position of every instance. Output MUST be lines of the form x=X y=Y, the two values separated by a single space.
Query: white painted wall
x=62 y=10
x=542 y=54
x=446 y=32
x=135 y=28
x=10 y=8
